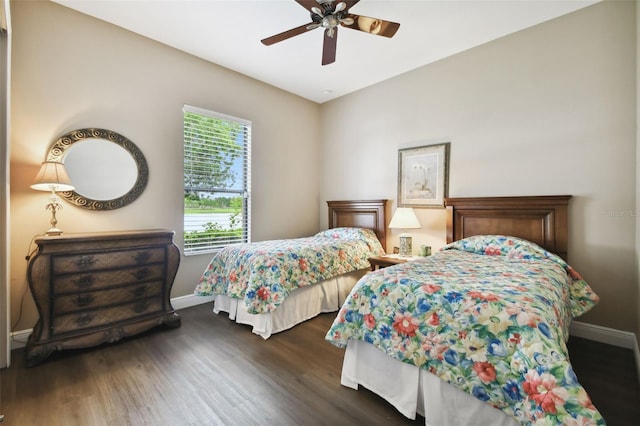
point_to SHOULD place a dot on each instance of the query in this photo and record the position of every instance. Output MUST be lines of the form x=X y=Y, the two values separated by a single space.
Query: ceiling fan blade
x=329 y=46
x=308 y=4
x=372 y=25
x=350 y=3
x=288 y=34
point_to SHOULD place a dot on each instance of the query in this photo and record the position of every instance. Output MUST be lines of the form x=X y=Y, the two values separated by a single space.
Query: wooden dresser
x=100 y=287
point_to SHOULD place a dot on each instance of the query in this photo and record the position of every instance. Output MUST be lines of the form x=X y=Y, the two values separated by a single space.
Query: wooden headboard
x=540 y=219
x=370 y=214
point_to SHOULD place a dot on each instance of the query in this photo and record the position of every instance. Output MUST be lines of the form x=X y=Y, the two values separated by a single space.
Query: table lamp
x=53 y=177
x=404 y=218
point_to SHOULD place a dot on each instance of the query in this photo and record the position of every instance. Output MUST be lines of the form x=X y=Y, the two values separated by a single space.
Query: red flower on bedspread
x=406 y=324
x=263 y=293
x=485 y=371
x=544 y=391
x=303 y=264
x=369 y=321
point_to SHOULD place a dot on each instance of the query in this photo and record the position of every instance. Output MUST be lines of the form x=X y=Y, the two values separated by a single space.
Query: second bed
x=274 y=285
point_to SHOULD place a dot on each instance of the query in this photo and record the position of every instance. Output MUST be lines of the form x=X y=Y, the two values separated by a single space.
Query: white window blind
x=217 y=176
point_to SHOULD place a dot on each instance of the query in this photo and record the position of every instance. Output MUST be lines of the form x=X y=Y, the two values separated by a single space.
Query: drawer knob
x=85 y=262
x=83 y=319
x=84 y=300
x=84 y=281
x=142 y=256
x=141 y=274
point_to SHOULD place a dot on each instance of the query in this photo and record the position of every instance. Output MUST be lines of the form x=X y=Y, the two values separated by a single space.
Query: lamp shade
x=404 y=218
x=52 y=177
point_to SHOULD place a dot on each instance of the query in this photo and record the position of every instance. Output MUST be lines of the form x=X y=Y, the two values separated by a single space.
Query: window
x=217 y=160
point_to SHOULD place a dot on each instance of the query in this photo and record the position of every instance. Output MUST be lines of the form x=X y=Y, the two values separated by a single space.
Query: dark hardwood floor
x=211 y=371
x=609 y=375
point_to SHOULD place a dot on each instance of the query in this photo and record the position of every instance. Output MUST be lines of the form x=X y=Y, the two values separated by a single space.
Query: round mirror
x=107 y=169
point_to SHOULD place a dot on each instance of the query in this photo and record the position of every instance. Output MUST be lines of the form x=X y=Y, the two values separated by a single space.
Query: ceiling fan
x=324 y=14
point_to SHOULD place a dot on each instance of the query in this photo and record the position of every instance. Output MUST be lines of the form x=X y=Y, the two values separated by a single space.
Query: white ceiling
x=228 y=33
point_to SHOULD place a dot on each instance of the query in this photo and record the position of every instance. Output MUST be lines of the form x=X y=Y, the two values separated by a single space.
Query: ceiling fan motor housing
x=328 y=11
x=330 y=15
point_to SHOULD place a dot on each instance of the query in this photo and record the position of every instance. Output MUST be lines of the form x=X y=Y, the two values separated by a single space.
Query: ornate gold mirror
x=107 y=169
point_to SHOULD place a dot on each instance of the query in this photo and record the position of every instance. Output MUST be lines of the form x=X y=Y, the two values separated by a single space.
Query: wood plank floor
x=211 y=371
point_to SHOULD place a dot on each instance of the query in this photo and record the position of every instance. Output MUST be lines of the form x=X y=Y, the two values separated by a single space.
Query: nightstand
x=379 y=262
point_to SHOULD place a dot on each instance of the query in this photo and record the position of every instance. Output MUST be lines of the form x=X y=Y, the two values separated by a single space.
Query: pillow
x=342 y=233
x=500 y=245
x=582 y=297
x=348 y=233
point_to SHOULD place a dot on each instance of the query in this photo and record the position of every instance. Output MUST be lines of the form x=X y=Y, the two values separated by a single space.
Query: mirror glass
x=107 y=169
x=100 y=169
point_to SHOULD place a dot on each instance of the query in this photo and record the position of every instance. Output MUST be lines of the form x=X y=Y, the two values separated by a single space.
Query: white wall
x=548 y=110
x=73 y=71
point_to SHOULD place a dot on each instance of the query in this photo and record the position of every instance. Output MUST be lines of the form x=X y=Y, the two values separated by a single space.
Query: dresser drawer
x=96 y=261
x=95 y=299
x=73 y=283
x=105 y=316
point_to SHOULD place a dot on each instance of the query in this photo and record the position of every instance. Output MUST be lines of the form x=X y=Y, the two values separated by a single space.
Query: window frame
x=209 y=245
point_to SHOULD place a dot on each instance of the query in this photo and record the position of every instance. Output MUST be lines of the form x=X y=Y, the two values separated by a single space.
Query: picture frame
x=423 y=175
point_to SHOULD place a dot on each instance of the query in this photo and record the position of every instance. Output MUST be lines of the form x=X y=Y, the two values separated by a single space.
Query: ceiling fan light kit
x=325 y=15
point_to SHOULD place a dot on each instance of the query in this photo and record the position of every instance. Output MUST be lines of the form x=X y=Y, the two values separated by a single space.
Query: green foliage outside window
x=212 y=231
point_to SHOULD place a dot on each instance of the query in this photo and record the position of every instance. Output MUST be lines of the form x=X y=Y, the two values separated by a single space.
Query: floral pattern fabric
x=489 y=315
x=264 y=273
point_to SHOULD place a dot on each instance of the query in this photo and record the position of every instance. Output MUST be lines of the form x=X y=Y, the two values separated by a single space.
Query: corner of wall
x=637 y=331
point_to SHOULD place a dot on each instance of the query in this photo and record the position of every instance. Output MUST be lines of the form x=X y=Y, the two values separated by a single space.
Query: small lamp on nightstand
x=404 y=218
x=53 y=177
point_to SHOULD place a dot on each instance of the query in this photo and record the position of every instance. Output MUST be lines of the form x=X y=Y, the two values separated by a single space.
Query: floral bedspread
x=264 y=273
x=489 y=315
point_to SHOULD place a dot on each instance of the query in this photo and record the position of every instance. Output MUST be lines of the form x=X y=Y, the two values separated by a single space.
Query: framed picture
x=423 y=175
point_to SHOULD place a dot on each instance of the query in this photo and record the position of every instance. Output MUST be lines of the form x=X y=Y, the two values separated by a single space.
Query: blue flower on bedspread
x=264 y=273
x=489 y=315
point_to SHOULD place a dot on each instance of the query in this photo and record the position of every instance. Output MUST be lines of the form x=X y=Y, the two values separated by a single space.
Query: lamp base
x=54 y=205
x=405 y=246
x=52 y=232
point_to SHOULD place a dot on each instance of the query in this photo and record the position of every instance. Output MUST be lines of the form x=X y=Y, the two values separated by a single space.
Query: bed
x=475 y=334
x=274 y=285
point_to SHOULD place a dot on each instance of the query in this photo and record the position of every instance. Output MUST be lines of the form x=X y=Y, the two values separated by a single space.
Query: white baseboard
x=19 y=338
x=606 y=335
x=189 y=301
x=636 y=352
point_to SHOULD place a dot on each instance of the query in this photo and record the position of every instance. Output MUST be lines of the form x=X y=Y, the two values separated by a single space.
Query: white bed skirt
x=302 y=304
x=412 y=390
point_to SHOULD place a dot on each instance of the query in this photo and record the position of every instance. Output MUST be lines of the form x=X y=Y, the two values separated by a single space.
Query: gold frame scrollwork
x=59 y=148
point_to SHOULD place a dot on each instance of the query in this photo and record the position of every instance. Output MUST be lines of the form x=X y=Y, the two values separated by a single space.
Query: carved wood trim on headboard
x=370 y=214
x=540 y=219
